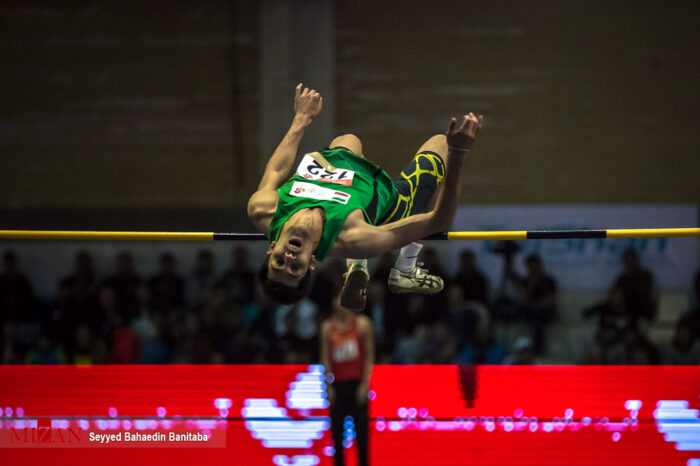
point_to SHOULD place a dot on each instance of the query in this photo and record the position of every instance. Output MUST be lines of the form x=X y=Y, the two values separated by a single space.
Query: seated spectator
x=523 y=352
x=415 y=313
x=685 y=348
x=464 y=316
x=394 y=304
x=125 y=346
x=693 y=315
x=612 y=313
x=375 y=308
x=63 y=315
x=152 y=340
x=436 y=302
x=473 y=283
x=222 y=317
x=637 y=285
x=620 y=346
x=259 y=315
x=46 y=351
x=640 y=351
x=329 y=278
x=305 y=312
x=16 y=296
x=437 y=345
x=593 y=355
x=238 y=281
x=167 y=288
x=81 y=283
x=74 y=302
x=202 y=279
x=482 y=347
x=86 y=350
x=124 y=284
x=105 y=318
x=292 y=347
x=608 y=346
x=192 y=344
x=539 y=304
x=11 y=350
x=143 y=325
x=258 y=328
x=408 y=348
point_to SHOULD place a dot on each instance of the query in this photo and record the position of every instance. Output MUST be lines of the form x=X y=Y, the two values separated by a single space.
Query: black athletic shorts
x=416 y=185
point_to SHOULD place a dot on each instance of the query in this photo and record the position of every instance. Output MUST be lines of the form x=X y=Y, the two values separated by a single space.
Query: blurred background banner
x=585 y=263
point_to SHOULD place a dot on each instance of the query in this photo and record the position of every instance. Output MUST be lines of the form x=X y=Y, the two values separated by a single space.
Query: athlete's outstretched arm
x=307 y=104
x=263 y=203
x=460 y=138
x=366 y=240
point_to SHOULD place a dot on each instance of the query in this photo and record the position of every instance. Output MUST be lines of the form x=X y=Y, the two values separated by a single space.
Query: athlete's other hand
x=307 y=102
x=461 y=135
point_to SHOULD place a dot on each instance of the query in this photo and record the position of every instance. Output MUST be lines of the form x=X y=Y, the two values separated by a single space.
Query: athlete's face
x=290 y=259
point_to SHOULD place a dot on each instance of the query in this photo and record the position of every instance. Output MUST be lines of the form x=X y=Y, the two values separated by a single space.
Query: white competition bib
x=312 y=191
x=346 y=352
x=310 y=169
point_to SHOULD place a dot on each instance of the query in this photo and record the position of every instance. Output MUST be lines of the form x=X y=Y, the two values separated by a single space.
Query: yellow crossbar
x=450 y=235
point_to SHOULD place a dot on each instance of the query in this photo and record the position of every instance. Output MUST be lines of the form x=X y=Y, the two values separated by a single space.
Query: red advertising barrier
x=266 y=415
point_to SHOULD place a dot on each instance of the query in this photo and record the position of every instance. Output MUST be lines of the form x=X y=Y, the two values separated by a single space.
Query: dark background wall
x=146 y=114
x=112 y=107
x=592 y=101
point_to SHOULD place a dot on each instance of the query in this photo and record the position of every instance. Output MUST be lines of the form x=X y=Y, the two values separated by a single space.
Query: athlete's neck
x=306 y=223
x=343 y=316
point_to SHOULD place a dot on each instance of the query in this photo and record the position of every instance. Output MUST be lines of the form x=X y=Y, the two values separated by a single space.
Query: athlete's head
x=285 y=274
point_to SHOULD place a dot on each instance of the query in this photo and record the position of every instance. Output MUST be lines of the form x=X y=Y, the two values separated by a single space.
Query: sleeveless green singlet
x=355 y=184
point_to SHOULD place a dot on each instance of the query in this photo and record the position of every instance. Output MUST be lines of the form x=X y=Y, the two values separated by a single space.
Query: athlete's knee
x=438 y=140
x=348 y=136
x=348 y=141
x=437 y=144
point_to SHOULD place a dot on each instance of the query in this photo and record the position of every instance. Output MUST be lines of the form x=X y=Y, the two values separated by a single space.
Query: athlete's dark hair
x=280 y=292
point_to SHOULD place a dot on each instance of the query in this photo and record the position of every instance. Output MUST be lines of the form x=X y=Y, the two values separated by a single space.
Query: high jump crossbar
x=449 y=235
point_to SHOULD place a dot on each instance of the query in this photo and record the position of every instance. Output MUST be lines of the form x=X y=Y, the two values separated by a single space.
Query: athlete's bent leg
x=420 y=184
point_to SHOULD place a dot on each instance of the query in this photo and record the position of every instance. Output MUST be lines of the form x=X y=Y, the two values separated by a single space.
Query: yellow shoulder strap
x=322 y=160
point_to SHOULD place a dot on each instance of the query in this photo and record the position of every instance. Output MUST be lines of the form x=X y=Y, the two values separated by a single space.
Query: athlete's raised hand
x=461 y=135
x=307 y=102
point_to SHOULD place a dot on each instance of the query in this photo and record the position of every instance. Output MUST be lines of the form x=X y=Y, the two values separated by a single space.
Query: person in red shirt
x=347 y=354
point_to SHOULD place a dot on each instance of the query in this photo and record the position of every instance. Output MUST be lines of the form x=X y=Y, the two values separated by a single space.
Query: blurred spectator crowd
x=201 y=317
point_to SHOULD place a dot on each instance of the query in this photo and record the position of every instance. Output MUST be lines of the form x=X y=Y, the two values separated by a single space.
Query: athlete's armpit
x=262 y=206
